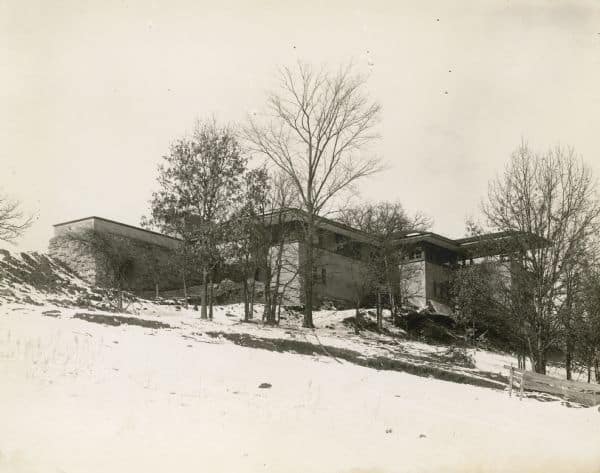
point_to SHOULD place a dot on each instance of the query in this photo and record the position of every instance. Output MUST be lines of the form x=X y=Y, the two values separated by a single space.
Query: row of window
x=413 y=255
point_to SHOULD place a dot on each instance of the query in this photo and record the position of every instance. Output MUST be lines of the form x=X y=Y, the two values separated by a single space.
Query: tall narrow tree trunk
x=279 y=307
x=252 y=294
x=120 y=299
x=568 y=329
x=204 y=294
x=246 y=299
x=276 y=299
x=538 y=360
x=569 y=357
x=597 y=369
x=156 y=293
x=308 y=274
x=268 y=313
x=210 y=297
x=185 y=294
x=391 y=296
x=379 y=312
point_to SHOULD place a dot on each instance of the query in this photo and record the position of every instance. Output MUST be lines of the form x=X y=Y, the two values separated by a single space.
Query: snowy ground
x=77 y=396
x=83 y=397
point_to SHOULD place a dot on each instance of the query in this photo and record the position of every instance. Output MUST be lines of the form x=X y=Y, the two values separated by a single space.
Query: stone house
x=340 y=268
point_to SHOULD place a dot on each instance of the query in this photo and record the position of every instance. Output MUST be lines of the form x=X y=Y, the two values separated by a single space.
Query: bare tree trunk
x=185 y=294
x=538 y=356
x=388 y=281
x=204 y=294
x=210 y=297
x=279 y=307
x=276 y=299
x=246 y=300
x=156 y=293
x=252 y=294
x=597 y=369
x=268 y=314
x=569 y=357
x=379 y=312
x=308 y=274
x=589 y=372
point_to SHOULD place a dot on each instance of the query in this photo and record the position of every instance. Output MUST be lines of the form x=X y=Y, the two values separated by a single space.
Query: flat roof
x=116 y=223
x=300 y=215
x=402 y=238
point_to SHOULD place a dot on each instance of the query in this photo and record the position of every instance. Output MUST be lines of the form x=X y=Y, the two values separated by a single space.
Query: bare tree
x=281 y=270
x=320 y=123
x=249 y=234
x=552 y=196
x=388 y=223
x=13 y=222
x=586 y=321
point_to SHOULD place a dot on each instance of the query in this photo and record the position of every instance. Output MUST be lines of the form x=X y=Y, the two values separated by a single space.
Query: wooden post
x=521 y=387
x=510 y=388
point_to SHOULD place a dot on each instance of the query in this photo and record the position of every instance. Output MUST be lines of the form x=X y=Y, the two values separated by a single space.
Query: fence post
x=521 y=387
x=510 y=388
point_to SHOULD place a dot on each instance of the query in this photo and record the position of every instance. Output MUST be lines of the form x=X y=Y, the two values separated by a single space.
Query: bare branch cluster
x=13 y=222
x=319 y=125
x=551 y=196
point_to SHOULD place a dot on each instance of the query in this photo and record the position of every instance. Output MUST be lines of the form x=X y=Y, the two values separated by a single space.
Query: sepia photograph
x=330 y=236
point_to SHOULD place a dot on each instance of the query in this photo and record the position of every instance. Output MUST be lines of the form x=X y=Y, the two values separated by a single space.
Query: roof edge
x=95 y=217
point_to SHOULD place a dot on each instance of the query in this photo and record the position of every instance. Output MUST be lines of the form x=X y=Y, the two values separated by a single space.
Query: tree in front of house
x=387 y=222
x=199 y=184
x=321 y=123
x=482 y=308
x=586 y=322
x=248 y=234
x=258 y=236
x=281 y=267
x=551 y=195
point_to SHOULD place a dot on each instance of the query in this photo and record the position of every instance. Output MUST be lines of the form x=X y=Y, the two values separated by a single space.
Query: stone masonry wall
x=152 y=255
x=76 y=256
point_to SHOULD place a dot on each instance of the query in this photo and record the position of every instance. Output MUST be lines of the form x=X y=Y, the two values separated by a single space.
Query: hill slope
x=34 y=278
x=158 y=389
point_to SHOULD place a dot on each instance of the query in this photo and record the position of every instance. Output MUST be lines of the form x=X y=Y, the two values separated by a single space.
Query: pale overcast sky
x=92 y=93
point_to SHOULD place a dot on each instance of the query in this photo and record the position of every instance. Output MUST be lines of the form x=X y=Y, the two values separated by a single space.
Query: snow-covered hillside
x=158 y=389
x=34 y=278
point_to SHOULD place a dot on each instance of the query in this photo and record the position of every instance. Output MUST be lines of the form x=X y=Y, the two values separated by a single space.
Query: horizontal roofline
x=408 y=236
x=498 y=236
x=116 y=223
x=302 y=215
